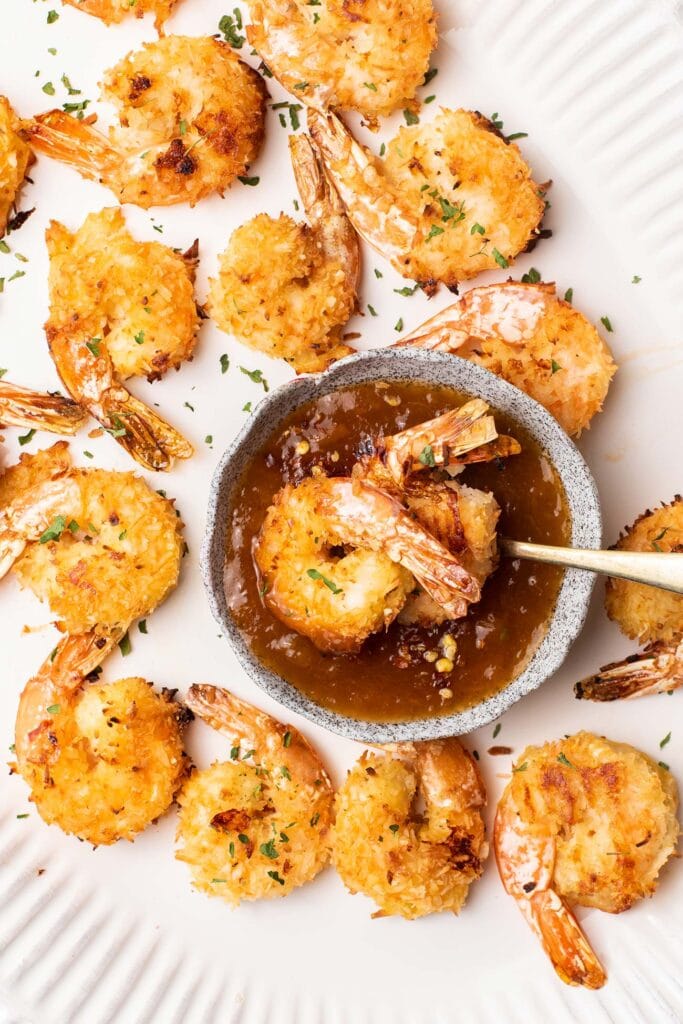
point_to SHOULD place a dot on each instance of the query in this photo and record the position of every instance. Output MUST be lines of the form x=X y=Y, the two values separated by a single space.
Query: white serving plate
x=117 y=934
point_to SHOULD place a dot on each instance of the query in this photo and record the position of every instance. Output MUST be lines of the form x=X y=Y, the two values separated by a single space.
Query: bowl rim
x=409 y=363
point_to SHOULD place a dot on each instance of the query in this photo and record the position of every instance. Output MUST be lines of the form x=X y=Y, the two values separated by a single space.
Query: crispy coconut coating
x=411 y=864
x=115 y=760
x=649 y=614
x=277 y=291
x=365 y=55
x=15 y=159
x=611 y=811
x=111 y=12
x=257 y=826
x=456 y=172
x=32 y=469
x=137 y=296
x=116 y=557
x=191 y=119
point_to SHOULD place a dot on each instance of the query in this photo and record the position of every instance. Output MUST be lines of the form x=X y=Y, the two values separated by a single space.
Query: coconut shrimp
x=583 y=821
x=338 y=600
x=15 y=159
x=363 y=55
x=288 y=289
x=111 y=12
x=423 y=205
x=102 y=761
x=99 y=546
x=411 y=864
x=191 y=119
x=256 y=826
x=530 y=337
x=464 y=519
x=647 y=614
x=22 y=407
x=120 y=308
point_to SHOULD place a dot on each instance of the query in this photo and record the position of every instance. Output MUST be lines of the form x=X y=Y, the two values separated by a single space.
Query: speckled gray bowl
x=433 y=368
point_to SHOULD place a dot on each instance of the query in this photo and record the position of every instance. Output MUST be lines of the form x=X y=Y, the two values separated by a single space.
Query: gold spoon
x=657 y=569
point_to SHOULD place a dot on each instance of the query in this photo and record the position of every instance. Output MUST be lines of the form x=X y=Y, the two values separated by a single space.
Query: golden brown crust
x=16 y=157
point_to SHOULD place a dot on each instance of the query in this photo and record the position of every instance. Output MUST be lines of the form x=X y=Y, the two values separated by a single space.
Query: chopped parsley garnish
x=554 y=367
x=664 y=765
x=182 y=127
x=393 y=828
x=49 y=89
x=54 y=530
x=663 y=743
x=93 y=346
x=521 y=767
x=314 y=820
x=398 y=326
x=378 y=273
x=497 y=730
x=496 y=121
x=246 y=407
x=287 y=739
x=531 y=277
x=426 y=456
x=433 y=231
x=406 y=290
x=208 y=439
x=382 y=149
x=139 y=337
x=118 y=430
x=330 y=584
x=256 y=376
x=22 y=815
x=284 y=770
x=52 y=16
x=53 y=709
x=234 y=753
x=225 y=363
x=606 y=323
x=230 y=26
x=215 y=881
x=73 y=527
x=429 y=99
x=248 y=181
x=268 y=849
x=569 y=295
x=563 y=759
x=410 y=117
x=276 y=878
x=449 y=211
x=25 y=438
x=142 y=626
x=516 y=135
x=371 y=86
x=432 y=73
x=4 y=247
x=301 y=85
x=69 y=87
x=188 y=406
x=88 y=455
x=372 y=310
x=477 y=229
x=243 y=839
x=122 y=535
x=500 y=259
x=125 y=645
x=635 y=279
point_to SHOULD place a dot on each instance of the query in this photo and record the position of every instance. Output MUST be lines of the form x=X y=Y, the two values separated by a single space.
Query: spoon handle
x=664 y=570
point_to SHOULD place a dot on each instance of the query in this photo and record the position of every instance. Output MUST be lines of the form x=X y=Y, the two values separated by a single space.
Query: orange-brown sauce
x=390 y=680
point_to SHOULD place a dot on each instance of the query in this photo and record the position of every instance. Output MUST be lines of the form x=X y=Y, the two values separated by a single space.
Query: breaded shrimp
x=120 y=308
x=288 y=289
x=646 y=614
x=191 y=119
x=338 y=600
x=257 y=826
x=583 y=821
x=22 y=407
x=100 y=547
x=102 y=761
x=365 y=55
x=530 y=337
x=423 y=206
x=111 y=12
x=411 y=864
x=15 y=159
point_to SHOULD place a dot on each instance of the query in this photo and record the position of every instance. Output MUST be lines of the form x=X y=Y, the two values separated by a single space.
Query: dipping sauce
x=390 y=680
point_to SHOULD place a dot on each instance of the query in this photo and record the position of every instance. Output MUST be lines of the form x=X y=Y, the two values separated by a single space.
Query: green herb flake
x=25 y=438
x=248 y=181
x=410 y=117
x=256 y=376
x=433 y=231
x=142 y=626
x=69 y=87
x=330 y=584
x=378 y=273
x=125 y=645
x=49 y=89
x=516 y=135
x=301 y=85
x=635 y=279
x=73 y=527
x=429 y=99
x=139 y=338
x=531 y=277
x=406 y=290
x=217 y=881
x=554 y=367
x=52 y=17
x=500 y=259
x=54 y=530
x=243 y=839
x=229 y=26
x=182 y=127
x=663 y=743
x=497 y=730
x=393 y=828
x=246 y=407
x=426 y=456
x=225 y=363
x=22 y=815
x=268 y=849
x=287 y=739
x=231 y=849
x=284 y=770
x=398 y=326
x=477 y=229
x=371 y=86
x=563 y=759
x=208 y=439
x=432 y=73
x=234 y=753
x=664 y=765
x=606 y=323
x=372 y=310
x=276 y=878
x=314 y=820
x=382 y=149
x=53 y=709
x=4 y=247
x=93 y=346
x=569 y=295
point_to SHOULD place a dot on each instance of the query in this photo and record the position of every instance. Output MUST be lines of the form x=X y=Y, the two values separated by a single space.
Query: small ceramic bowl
x=439 y=369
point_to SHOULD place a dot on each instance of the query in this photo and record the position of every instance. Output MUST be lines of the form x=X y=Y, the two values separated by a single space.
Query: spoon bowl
x=438 y=369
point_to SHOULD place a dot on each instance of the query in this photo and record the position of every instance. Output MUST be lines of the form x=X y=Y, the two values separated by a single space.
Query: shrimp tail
x=657 y=669
x=151 y=441
x=561 y=937
x=438 y=334
x=225 y=712
x=27 y=517
x=22 y=407
x=73 y=142
x=500 y=448
x=375 y=211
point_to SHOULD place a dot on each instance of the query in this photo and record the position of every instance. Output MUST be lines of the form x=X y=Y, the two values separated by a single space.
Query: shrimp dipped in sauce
x=102 y=761
x=256 y=826
x=583 y=821
x=16 y=157
x=120 y=308
x=365 y=55
x=411 y=864
x=288 y=289
x=191 y=120
x=23 y=407
x=530 y=337
x=99 y=546
x=450 y=199
x=647 y=614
